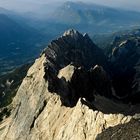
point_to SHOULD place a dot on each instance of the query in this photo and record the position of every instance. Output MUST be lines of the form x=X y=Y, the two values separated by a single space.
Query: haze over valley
x=25 y=32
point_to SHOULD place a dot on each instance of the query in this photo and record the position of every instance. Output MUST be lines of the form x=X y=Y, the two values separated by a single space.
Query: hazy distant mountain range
x=95 y=16
x=23 y=34
x=89 y=18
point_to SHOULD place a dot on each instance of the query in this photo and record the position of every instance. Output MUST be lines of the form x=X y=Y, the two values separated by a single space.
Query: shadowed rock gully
x=92 y=75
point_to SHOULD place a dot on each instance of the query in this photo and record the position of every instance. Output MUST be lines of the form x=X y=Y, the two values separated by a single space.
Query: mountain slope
x=18 y=43
x=43 y=116
x=125 y=64
x=9 y=84
x=62 y=95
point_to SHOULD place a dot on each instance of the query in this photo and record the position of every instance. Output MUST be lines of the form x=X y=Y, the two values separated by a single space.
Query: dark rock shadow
x=92 y=87
x=124 y=65
x=128 y=131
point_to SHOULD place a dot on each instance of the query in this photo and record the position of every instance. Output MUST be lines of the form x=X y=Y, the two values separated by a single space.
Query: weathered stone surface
x=39 y=115
x=60 y=98
x=128 y=131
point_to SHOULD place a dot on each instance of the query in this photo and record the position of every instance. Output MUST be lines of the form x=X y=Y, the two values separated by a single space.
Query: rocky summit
x=70 y=93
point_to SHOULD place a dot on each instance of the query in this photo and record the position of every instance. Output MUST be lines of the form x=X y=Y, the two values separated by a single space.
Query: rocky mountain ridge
x=67 y=94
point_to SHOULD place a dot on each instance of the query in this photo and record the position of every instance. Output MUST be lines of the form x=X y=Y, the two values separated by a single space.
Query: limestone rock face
x=73 y=47
x=66 y=95
x=39 y=114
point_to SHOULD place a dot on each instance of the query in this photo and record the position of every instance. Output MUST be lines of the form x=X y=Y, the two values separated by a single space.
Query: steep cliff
x=39 y=114
x=125 y=63
x=66 y=95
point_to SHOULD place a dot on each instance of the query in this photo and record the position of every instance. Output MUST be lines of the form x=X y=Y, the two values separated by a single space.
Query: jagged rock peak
x=73 y=47
x=71 y=32
x=76 y=35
